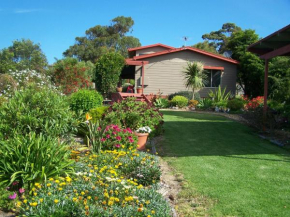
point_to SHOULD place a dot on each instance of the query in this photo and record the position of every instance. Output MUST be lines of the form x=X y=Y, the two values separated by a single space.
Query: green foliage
x=32 y=158
x=94 y=135
x=5 y=203
x=187 y=94
x=100 y=40
x=179 y=101
x=132 y=114
x=235 y=104
x=7 y=85
x=220 y=94
x=194 y=76
x=251 y=67
x=97 y=113
x=161 y=103
x=37 y=109
x=206 y=46
x=23 y=54
x=72 y=75
x=219 y=39
x=84 y=100
x=205 y=104
x=108 y=70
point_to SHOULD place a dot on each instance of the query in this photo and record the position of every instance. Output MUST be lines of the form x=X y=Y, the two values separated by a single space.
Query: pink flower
x=15 y=183
x=108 y=136
x=114 y=132
x=124 y=131
x=103 y=139
x=118 y=130
x=131 y=140
x=118 y=145
x=21 y=190
x=118 y=138
x=129 y=130
x=99 y=129
x=13 y=196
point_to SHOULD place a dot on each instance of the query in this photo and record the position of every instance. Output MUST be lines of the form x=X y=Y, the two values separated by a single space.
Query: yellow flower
x=60 y=189
x=117 y=200
x=75 y=191
x=140 y=209
x=88 y=117
x=50 y=179
x=68 y=179
x=18 y=204
x=49 y=193
x=86 y=207
x=56 y=201
x=110 y=203
x=62 y=184
x=33 y=204
x=147 y=202
x=56 y=181
x=89 y=197
x=48 y=185
x=25 y=201
x=35 y=194
x=40 y=200
x=153 y=212
x=75 y=199
x=83 y=193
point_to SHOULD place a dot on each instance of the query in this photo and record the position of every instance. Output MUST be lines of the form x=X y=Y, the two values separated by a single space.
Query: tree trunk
x=193 y=94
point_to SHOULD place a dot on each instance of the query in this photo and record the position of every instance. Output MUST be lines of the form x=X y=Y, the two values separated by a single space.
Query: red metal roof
x=149 y=46
x=183 y=49
x=135 y=63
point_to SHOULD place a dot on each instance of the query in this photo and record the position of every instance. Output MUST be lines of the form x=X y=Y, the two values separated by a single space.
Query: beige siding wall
x=164 y=72
x=150 y=50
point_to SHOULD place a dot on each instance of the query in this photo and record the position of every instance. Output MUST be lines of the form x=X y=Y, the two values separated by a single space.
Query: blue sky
x=55 y=23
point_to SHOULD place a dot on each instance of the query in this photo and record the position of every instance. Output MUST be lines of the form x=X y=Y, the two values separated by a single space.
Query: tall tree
x=206 y=46
x=100 y=40
x=251 y=67
x=219 y=39
x=23 y=54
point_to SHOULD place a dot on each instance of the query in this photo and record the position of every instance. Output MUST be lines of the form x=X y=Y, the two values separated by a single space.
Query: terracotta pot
x=139 y=90
x=142 y=139
x=119 y=89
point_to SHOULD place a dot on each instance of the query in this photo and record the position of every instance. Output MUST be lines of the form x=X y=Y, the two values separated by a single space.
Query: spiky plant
x=194 y=76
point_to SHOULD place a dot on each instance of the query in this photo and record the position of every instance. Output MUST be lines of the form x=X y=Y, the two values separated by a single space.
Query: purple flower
x=129 y=130
x=21 y=190
x=118 y=145
x=114 y=132
x=13 y=196
x=118 y=138
x=124 y=130
x=15 y=183
x=103 y=140
x=108 y=136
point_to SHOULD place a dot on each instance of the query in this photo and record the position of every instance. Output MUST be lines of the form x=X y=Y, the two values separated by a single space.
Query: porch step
x=121 y=96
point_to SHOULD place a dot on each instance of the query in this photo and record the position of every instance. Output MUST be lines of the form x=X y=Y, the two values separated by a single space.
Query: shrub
x=32 y=158
x=71 y=75
x=118 y=138
x=220 y=94
x=97 y=113
x=108 y=70
x=37 y=109
x=161 y=103
x=205 y=104
x=254 y=103
x=235 y=104
x=179 y=101
x=187 y=94
x=84 y=100
x=133 y=114
x=7 y=85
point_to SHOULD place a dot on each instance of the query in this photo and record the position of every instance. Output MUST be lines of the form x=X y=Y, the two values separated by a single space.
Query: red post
x=142 y=77
x=265 y=94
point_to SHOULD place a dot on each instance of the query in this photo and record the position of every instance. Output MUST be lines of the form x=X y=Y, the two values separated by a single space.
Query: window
x=213 y=78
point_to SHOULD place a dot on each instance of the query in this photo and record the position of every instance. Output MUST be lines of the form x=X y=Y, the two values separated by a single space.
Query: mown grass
x=228 y=169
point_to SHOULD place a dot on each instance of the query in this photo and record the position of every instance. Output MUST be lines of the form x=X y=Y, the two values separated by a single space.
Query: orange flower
x=88 y=117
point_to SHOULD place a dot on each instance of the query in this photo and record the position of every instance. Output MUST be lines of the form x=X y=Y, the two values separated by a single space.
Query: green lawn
x=227 y=163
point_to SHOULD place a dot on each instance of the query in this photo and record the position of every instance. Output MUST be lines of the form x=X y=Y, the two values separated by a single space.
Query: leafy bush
x=118 y=138
x=71 y=75
x=187 y=94
x=179 y=101
x=97 y=113
x=235 y=104
x=108 y=70
x=221 y=104
x=205 y=104
x=254 y=103
x=84 y=100
x=133 y=114
x=161 y=103
x=32 y=158
x=7 y=85
x=37 y=109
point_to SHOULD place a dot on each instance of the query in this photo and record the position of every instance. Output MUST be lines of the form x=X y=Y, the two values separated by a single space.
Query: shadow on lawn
x=193 y=134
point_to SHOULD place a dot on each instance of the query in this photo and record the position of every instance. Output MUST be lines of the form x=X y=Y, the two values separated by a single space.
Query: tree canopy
x=100 y=40
x=206 y=46
x=23 y=54
x=219 y=39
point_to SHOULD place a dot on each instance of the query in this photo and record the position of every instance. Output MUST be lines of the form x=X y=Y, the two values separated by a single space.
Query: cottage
x=159 y=67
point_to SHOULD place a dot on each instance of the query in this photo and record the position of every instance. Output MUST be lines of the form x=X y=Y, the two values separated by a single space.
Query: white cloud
x=22 y=11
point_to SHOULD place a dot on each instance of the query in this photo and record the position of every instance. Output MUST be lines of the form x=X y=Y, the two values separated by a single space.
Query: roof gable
x=149 y=46
x=183 y=49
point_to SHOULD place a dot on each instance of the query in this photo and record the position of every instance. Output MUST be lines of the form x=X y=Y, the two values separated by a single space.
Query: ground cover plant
x=229 y=170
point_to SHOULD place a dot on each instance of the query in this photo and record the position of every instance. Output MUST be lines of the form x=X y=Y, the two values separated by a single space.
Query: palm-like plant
x=194 y=76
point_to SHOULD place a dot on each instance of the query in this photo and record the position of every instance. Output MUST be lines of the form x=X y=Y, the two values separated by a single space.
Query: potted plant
x=142 y=134
x=139 y=89
x=119 y=87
